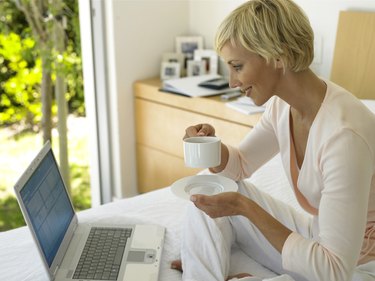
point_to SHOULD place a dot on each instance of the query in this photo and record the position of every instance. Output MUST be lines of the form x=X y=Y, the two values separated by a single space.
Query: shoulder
x=342 y=108
x=341 y=113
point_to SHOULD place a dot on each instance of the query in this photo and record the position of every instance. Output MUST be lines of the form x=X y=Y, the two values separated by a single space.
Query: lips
x=247 y=91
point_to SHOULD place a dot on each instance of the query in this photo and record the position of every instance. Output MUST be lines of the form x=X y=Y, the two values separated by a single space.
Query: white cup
x=202 y=152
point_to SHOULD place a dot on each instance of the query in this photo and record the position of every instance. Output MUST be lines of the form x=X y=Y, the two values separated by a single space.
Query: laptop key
x=118 y=257
x=98 y=276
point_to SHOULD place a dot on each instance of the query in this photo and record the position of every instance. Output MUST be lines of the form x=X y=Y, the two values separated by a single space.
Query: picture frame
x=173 y=57
x=211 y=59
x=196 y=67
x=186 y=45
x=170 y=70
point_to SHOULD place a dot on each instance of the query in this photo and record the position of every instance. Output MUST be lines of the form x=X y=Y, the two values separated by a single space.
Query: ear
x=279 y=63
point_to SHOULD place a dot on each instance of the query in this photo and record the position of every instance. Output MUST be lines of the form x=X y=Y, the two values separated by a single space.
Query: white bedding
x=19 y=258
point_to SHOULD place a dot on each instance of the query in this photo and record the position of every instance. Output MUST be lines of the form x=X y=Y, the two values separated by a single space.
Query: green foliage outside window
x=20 y=79
x=21 y=71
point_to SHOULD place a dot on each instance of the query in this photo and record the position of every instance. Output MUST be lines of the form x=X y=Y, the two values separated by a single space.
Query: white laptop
x=123 y=252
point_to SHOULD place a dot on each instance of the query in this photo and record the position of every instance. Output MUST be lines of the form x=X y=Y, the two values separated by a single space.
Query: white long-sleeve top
x=337 y=178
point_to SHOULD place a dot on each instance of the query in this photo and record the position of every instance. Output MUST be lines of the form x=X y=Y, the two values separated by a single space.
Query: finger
x=176 y=264
x=199 y=130
x=199 y=199
x=241 y=275
x=200 y=203
x=202 y=132
x=206 y=130
x=205 y=203
x=219 y=205
x=192 y=131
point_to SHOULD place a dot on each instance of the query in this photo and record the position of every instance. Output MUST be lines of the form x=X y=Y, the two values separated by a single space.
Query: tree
x=40 y=22
x=60 y=89
x=45 y=21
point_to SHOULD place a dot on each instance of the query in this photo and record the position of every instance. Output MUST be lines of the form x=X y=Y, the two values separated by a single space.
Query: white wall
x=141 y=30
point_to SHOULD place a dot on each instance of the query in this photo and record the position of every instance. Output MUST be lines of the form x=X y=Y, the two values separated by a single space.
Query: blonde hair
x=274 y=29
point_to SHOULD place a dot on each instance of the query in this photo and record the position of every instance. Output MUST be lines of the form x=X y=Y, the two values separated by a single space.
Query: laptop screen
x=48 y=205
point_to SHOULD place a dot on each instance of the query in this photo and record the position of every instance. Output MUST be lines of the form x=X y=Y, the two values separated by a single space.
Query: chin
x=258 y=102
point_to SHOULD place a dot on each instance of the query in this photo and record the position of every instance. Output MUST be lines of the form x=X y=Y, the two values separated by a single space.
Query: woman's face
x=251 y=73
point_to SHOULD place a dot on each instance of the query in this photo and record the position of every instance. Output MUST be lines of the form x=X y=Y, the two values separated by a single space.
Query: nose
x=233 y=81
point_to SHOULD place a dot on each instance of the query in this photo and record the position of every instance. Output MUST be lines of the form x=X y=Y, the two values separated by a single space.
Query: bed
x=19 y=259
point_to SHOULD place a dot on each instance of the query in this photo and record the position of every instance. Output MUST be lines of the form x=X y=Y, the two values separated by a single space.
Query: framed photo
x=169 y=70
x=211 y=59
x=186 y=45
x=173 y=57
x=196 y=67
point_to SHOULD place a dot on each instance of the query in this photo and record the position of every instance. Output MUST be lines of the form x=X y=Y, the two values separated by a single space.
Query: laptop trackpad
x=142 y=256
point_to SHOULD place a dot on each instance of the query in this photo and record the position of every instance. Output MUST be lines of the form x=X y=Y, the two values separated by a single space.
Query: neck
x=304 y=92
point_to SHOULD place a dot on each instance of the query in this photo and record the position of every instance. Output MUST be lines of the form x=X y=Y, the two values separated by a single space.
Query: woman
x=326 y=140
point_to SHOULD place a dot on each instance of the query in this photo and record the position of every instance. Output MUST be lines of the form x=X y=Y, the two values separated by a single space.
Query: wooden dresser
x=161 y=119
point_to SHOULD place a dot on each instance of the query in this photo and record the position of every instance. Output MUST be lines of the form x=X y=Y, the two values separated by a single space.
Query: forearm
x=274 y=231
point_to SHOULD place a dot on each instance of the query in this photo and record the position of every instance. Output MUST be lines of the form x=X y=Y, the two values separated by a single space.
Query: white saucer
x=202 y=184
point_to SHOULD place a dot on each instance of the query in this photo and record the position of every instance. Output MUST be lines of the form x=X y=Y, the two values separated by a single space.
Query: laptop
x=74 y=251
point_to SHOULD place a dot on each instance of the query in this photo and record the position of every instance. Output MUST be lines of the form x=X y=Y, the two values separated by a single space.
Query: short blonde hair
x=274 y=29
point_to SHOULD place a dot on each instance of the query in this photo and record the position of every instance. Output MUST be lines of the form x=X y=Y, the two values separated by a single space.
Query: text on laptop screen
x=48 y=206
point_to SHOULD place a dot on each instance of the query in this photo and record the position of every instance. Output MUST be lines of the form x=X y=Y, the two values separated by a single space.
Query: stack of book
x=189 y=86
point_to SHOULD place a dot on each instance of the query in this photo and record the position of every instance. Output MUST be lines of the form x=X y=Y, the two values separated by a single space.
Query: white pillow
x=370 y=104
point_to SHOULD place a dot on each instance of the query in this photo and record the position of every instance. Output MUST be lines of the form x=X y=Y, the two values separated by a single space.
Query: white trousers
x=207 y=243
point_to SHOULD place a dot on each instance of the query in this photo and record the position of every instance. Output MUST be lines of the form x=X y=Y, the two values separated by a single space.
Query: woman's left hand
x=233 y=204
x=219 y=205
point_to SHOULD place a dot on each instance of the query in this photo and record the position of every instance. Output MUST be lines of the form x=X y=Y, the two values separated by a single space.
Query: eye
x=237 y=67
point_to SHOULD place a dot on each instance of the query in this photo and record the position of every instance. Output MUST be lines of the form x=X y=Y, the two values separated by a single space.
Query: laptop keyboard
x=102 y=254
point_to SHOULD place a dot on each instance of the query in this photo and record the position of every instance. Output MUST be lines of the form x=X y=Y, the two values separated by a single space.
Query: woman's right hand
x=202 y=130
x=199 y=130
